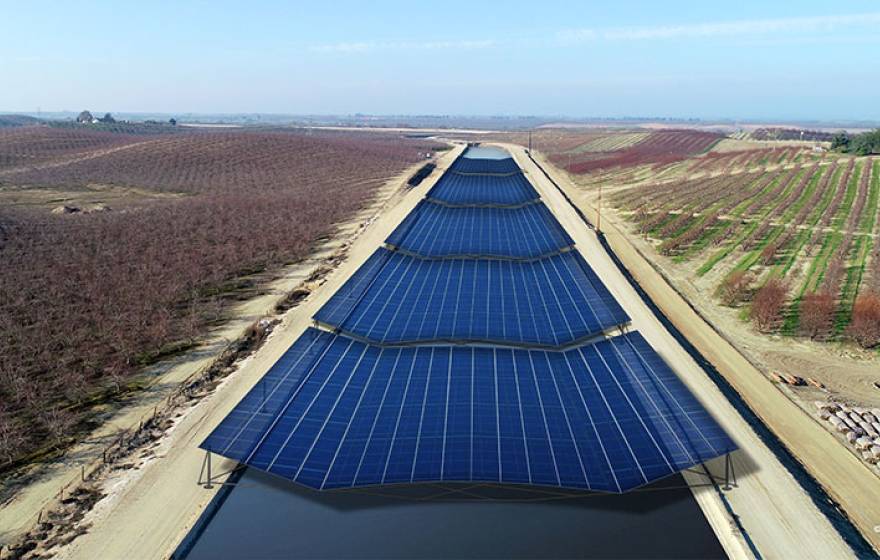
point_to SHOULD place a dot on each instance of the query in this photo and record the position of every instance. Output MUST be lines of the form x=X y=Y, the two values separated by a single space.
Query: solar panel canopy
x=504 y=166
x=483 y=190
x=398 y=298
x=335 y=412
x=435 y=230
x=477 y=346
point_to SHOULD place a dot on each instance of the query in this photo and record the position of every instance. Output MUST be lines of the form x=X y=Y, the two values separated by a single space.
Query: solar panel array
x=483 y=190
x=399 y=298
x=435 y=230
x=505 y=166
x=335 y=412
x=475 y=347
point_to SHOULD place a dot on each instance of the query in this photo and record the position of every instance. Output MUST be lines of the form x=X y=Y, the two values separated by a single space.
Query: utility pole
x=599 y=211
x=530 y=141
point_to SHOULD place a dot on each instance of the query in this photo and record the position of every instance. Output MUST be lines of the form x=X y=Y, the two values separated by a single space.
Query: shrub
x=817 y=314
x=767 y=306
x=735 y=288
x=865 y=325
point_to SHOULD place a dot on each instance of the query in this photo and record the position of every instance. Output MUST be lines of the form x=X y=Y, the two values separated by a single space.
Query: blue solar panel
x=485 y=166
x=335 y=413
x=551 y=301
x=483 y=190
x=434 y=230
x=530 y=392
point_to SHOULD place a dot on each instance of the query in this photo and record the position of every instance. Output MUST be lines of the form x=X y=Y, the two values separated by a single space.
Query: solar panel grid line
x=608 y=406
x=364 y=276
x=348 y=425
x=397 y=310
x=483 y=190
x=422 y=418
x=433 y=295
x=651 y=399
x=586 y=298
x=522 y=421
x=556 y=298
x=397 y=422
x=489 y=297
x=656 y=378
x=412 y=308
x=446 y=416
x=544 y=417
x=395 y=280
x=571 y=297
x=433 y=231
x=593 y=426
x=632 y=406
x=605 y=297
x=388 y=278
x=290 y=370
x=546 y=306
x=311 y=404
x=691 y=449
x=497 y=416
x=457 y=301
x=568 y=423
x=375 y=421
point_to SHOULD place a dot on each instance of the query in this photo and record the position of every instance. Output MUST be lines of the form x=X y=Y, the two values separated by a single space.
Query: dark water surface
x=266 y=517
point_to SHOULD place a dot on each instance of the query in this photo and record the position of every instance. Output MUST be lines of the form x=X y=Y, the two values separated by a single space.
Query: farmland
x=804 y=233
x=88 y=298
x=774 y=242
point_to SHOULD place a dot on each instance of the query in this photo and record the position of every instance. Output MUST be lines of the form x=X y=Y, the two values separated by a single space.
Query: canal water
x=486 y=152
x=266 y=517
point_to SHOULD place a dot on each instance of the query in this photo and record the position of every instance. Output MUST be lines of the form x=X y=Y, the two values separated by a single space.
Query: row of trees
x=863 y=144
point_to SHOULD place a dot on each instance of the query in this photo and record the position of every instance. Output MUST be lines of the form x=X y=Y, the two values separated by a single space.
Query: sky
x=759 y=60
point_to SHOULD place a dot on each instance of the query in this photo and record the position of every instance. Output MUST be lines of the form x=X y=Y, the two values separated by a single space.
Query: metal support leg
x=728 y=472
x=208 y=484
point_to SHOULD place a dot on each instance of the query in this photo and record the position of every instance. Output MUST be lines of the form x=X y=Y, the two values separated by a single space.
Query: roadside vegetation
x=89 y=298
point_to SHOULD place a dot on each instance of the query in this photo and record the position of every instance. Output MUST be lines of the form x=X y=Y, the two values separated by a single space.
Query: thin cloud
x=368 y=46
x=728 y=29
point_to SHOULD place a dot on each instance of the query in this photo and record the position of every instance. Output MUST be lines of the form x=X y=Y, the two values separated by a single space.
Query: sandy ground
x=152 y=509
x=777 y=514
x=94 y=196
x=19 y=514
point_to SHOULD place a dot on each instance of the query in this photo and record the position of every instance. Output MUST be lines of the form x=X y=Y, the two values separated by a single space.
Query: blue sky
x=742 y=60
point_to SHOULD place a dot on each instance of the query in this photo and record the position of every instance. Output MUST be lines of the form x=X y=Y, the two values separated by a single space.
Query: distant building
x=85 y=118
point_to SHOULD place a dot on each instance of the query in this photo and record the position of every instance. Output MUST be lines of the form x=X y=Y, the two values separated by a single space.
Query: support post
x=729 y=473
x=208 y=484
